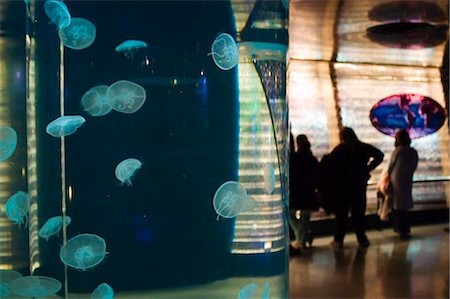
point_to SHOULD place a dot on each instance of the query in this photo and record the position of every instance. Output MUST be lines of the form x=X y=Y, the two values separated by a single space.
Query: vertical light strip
x=5 y=170
x=63 y=161
x=32 y=149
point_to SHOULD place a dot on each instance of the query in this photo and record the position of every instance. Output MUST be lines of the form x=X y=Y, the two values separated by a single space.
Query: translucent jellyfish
x=248 y=291
x=52 y=226
x=65 y=125
x=130 y=47
x=79 y=35
x=269 y=177
x=126 y=96
x=17 y=207
x=6 y=277
x=224 y=52
x=230 y=199
x=57 y=12
x=8 y=142
x=83 y=251
x=126 y=169
x=35 y=286
x=103 y=291
x=266 y=291
x=95 y=102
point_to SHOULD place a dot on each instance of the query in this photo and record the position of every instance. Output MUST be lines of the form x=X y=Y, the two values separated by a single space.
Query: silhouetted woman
x=401 y=167
x=304 y=171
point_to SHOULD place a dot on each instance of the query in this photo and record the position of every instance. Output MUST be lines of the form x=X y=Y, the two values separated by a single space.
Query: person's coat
x=402 y=164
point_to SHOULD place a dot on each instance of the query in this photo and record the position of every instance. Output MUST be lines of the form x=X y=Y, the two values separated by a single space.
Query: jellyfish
x=35 y=286
x=83 y=251
x=103 y=291
x=266 y=291
x=17 y=207
x=269 y=177
x=6 y=277
x=126 y=169
x=95 y=102
x=248 y=291
x=130 y=47
x=79 y=35
x=52 y=226
x=8 y=142
x=58 y=13
x=65 y=125
x=125 y=96
x=224 y=52
x=230 y=199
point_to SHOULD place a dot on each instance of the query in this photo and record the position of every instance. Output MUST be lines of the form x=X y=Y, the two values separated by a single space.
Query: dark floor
x=389 y=268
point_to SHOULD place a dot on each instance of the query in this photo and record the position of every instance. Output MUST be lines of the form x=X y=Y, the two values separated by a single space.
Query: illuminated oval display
x=418 y=114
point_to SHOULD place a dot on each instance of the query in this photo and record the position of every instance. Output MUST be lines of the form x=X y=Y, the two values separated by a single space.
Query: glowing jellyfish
x=6 y=277
x=52 y=226
x=8 y=142
x=17 y=207
x=126 y=96
x=248 y=291
x=230 y=199
x=79 y=35
x=269 y=177
x=35 y=286
x=126 y=169
x=65 y=125
x=224 y=52
x=266 y=291
x=57 y=12
x=103 y=291
x=130 y=47
x=95 y=102
x=83 y=251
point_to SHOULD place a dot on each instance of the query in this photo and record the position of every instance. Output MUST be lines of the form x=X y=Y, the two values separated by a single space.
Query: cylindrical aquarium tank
x=150 y=158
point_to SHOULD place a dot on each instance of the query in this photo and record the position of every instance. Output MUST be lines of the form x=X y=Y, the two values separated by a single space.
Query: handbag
x=384 y=207
x=384 y=184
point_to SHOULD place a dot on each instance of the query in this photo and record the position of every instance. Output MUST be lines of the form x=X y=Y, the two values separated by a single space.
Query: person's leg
x=358 y=208
x=341 y=218
x=305 y=217
x=296 y=226
x=402 y=223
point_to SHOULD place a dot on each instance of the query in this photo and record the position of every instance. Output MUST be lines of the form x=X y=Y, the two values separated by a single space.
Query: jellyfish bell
x=103 y=291
x=53 y=226
x=126 y=169
x=79 y=35
x=95 y=102
x=126 y=96
x=83 y=251
x=224 y=52
x=230 y=199
x=58 y=13
x=35 y=286
x=6 y=277
x=17 y=207
x=65 y=125
x=8 y=142
x=248 y=291
x=130 y=47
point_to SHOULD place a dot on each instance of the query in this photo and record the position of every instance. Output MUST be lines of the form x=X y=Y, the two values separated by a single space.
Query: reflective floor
x=389 y=268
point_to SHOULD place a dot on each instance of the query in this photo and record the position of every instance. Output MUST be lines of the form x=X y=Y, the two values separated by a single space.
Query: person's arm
x=377 y=157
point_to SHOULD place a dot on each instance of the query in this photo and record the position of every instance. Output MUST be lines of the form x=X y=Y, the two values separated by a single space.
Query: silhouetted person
x=352 y=162
x=304 y=171
x=401 y=167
